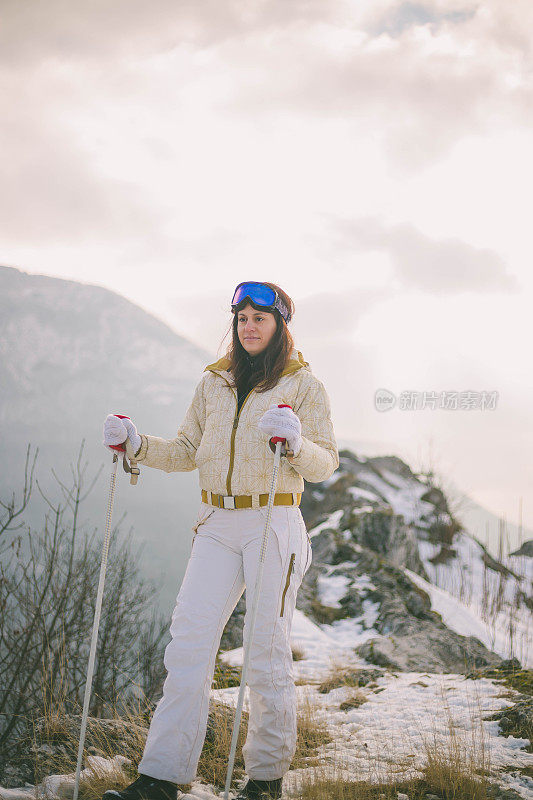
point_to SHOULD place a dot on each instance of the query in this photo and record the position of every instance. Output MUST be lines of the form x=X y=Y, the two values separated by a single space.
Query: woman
x=226 y=434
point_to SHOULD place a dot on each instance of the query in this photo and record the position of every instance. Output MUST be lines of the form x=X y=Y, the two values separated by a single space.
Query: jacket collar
x=295 y=362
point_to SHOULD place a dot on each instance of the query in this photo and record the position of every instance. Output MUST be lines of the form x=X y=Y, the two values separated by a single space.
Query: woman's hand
x=117 y=430
x=283 y=422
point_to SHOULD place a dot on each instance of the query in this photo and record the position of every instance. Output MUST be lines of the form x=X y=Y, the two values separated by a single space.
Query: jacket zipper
x=233 y=431
x=287 y=582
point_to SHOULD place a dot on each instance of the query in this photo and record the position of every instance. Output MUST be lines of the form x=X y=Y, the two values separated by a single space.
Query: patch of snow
x=403 y=499
x=353 y=631
x=321 y=648
x=363 y=582
x=363 y=510
x=331 y=588
x=332 y=521
x=362 y=494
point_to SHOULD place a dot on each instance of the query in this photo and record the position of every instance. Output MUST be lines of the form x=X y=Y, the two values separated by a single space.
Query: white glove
x=117 y=430
x=283 y=422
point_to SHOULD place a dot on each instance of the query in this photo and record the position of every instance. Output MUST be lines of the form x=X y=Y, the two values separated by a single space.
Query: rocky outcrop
x=412 y=635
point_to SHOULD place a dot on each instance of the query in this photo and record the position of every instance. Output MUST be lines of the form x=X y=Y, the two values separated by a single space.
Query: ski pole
x=96 y=621
x=277 y=440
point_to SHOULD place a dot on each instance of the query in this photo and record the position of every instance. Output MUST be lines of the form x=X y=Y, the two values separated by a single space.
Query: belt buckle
x=231 y=501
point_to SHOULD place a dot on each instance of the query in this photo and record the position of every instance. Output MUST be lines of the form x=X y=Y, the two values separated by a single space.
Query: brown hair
x=274 y=358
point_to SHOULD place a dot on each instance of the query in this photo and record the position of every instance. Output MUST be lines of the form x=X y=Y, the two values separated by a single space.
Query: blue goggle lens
x=257 y=292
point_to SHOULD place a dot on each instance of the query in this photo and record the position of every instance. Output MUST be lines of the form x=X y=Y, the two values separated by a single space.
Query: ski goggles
x=261 y=295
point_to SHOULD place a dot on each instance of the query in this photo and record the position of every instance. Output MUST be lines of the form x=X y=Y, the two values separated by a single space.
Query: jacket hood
x=295 y=362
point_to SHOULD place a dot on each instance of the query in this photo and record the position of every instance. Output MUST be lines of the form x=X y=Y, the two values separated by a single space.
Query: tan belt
x=245 y=500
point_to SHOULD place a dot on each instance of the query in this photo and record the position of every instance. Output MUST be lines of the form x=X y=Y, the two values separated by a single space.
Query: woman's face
x=255 y=329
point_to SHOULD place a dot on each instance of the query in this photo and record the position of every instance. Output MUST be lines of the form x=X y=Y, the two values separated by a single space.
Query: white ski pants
x=223 y=562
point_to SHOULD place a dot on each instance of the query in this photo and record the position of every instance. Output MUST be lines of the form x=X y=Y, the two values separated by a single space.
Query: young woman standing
x=226 y=435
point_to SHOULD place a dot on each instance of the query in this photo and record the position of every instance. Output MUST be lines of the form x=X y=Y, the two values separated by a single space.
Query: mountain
x=70 y=353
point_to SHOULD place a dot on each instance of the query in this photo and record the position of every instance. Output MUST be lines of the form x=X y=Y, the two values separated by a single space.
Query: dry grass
x=55 y=734
x=354 y=701
x=55 y=748
x=445 y=776
x=459 y=768
x=313 y=732
x=417 y=789
x=341 y=675
x=56 y=737
x=225 y=675
x=297 y=653
x=213 y=762
x=306 y=682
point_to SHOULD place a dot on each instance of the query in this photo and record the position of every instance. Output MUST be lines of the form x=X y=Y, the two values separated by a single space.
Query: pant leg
x=211 y=587
x=271 y=739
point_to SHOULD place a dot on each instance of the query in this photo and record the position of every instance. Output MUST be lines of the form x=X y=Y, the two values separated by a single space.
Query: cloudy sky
x=373 y=157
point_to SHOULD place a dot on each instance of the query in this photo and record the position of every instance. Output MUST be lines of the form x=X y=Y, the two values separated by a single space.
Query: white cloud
x=446 y=266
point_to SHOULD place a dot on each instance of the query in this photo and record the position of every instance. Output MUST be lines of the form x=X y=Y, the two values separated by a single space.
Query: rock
x=350 y=677
x=353 y=702
x=526 y=549
x=517 y=720
x=427 y=648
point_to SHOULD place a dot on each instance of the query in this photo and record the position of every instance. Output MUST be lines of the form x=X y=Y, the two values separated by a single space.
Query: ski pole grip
x=276 y=439
x=120 y=447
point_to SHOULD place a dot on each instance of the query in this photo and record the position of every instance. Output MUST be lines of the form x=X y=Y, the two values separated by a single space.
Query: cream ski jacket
x=232 y=455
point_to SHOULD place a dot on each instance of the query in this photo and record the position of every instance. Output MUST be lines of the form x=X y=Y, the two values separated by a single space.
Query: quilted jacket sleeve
x=178 y=454
x=318 y=457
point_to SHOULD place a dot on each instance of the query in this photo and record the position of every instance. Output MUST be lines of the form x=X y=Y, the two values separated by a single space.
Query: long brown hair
x=274 y=358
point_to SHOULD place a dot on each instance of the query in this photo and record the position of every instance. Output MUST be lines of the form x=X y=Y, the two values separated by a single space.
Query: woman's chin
x=252 y=348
